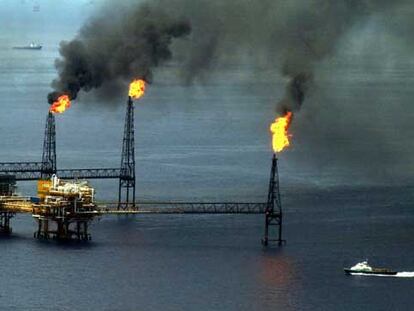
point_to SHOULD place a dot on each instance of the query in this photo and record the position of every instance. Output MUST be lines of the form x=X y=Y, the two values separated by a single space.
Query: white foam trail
x=404 y=274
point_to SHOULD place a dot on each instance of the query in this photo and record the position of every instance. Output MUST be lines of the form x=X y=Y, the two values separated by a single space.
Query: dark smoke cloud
x=117 y=47
x=290 y=36
x=295 y=92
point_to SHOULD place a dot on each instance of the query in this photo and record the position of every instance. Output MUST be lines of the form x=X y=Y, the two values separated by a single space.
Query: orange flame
x=60 y=105
x=279 y=128
x=136 y=88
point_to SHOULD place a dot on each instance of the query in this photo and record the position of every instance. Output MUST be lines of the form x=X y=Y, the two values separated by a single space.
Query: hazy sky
x=19 y=21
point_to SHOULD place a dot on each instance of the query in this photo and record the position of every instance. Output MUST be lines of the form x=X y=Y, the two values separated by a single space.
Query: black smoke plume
x=110 y=47
x=295 y=93
x=290 y=36
x=293 y=36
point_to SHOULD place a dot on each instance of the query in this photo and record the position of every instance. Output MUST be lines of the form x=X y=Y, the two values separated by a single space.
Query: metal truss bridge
x=33 y=171
x=22 y=170
x=186 y=208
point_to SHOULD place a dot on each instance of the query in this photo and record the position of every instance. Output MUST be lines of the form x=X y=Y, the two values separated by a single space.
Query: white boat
x=364 y=268
x=31 y=46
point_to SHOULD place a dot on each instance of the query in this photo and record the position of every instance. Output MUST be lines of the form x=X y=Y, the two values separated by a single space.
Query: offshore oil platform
x=62 y=209
x=65 y=204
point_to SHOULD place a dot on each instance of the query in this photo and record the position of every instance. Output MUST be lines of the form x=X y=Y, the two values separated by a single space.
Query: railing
x=101 y=173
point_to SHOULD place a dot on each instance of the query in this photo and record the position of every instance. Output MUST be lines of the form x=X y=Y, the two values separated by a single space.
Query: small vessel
x=31 y=46
x=362 y=268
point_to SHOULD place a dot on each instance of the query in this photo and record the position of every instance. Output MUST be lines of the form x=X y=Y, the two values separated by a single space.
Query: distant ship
x=362 y=268
x=31 y=46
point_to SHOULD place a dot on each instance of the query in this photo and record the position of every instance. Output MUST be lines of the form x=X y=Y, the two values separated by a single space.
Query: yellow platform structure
x=62 y=209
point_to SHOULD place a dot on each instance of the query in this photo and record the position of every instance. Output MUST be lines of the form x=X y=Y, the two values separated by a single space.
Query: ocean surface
x=210 y=142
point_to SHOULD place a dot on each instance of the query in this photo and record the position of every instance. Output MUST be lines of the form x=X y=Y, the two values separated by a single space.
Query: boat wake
x=404 y=274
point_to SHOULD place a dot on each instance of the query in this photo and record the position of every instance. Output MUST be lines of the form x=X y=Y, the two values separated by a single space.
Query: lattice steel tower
x=49 y=148
x=127 y=176
x=273 y=212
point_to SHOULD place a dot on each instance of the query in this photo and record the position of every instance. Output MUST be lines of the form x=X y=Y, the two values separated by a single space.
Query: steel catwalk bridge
x=33 y=171
x=186 y=208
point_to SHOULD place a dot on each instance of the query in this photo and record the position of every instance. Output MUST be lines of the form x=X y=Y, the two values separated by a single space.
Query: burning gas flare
x=60 y=105
x=279 y=128
x=136 y=88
